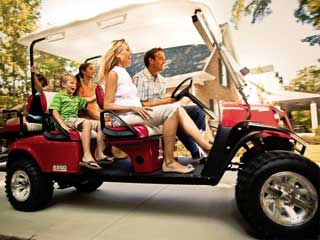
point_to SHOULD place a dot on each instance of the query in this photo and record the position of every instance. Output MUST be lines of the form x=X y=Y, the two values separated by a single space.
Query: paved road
x=131 y=211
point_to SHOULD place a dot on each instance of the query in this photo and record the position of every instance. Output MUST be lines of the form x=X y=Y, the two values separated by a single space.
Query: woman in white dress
x=121 y=96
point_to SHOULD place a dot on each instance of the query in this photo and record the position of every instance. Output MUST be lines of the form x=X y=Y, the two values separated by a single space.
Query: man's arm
x=138 y=80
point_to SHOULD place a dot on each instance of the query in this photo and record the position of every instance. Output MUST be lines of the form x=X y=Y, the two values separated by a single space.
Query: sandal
x=91 y=165
x=189 y=168
x=105 y=161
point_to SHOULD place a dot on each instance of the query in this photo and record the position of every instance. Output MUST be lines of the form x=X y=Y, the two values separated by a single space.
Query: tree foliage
x=307 y=12
x=258 y=10
x=17 y=17
x=308 y=80
x=52 y=67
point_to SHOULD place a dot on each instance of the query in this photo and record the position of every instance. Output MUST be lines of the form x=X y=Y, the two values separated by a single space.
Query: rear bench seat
x=36 y=107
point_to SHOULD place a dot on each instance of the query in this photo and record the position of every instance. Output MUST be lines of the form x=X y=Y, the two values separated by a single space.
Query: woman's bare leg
x=99 y=152
x=169 y=138
x=189 y=127
x=85 y=140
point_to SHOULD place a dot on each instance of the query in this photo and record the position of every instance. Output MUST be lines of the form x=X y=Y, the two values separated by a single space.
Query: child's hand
x=65 y=127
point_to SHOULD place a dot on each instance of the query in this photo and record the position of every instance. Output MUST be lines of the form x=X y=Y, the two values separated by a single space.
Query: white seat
x=33 y=127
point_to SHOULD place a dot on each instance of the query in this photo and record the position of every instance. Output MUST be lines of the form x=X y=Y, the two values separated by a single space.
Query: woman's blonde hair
x=109 y=60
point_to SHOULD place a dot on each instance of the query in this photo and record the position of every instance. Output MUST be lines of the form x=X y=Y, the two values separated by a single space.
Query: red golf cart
x=277 y=189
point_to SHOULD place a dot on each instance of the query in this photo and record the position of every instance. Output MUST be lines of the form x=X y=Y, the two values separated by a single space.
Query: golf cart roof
x=162 y=23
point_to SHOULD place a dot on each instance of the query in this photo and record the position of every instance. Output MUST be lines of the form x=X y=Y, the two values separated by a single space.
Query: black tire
x=256 y=178
x=88 y=185
x=25 y=178
x=269 y=144
x=245 y=158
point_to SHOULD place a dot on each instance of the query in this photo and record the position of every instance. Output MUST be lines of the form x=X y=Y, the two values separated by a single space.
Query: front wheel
x=278 y=194
x=27 y=188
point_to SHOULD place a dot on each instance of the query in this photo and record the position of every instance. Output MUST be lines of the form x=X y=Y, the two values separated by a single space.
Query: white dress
x=127 y=95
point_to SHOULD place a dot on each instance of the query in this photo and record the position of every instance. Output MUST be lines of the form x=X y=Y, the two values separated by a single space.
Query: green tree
x=307 y=12
x=308 y=80
x=52 y=67
x=17 y=17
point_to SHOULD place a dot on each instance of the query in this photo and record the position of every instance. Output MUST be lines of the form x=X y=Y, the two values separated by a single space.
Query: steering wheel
x=180 y=93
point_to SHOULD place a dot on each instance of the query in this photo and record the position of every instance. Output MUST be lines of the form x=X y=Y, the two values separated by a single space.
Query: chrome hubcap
x=20 y=185
x=289 y=199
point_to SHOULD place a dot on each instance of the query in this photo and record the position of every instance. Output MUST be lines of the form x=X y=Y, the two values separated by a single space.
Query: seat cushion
x=33 y=127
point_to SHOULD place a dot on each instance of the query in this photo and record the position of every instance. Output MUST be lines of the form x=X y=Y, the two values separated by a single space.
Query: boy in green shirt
x=65 y=109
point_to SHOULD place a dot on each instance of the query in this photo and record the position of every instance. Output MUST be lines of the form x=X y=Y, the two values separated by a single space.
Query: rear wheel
x=88 y=185
x=278 y=194
x=27 y=188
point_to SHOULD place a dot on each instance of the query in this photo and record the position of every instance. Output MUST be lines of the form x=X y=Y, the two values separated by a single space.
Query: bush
x=302 y=118
x=312 y=140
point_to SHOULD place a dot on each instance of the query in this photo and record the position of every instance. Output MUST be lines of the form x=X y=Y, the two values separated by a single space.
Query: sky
x=274 y=41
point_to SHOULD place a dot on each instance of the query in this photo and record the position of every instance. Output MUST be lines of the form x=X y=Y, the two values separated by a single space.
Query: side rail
x=230 y=139
x=125 y=131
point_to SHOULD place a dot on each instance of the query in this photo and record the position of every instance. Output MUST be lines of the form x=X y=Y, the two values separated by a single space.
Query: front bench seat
x=127 y=131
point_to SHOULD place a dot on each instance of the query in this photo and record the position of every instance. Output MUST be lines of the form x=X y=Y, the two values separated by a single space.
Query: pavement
x=120 y=211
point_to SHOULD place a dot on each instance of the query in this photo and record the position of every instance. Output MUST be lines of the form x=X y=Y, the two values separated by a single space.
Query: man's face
x=159 y=61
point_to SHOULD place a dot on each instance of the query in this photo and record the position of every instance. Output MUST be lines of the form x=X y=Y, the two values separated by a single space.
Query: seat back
x=38 y=106
x=100 y=96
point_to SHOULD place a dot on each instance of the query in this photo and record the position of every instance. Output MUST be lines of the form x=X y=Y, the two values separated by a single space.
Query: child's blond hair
x=65 y=77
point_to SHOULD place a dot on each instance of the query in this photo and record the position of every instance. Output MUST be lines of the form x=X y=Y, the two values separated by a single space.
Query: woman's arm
x=111 y=84
x=37 y=84
x=93 y=114
x=20 y=107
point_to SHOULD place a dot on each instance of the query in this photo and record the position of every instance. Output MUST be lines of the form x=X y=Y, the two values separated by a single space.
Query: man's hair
x=65 y=77
x=151 y=54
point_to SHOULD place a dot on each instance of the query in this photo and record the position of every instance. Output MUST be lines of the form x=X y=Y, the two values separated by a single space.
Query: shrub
x=312 y=140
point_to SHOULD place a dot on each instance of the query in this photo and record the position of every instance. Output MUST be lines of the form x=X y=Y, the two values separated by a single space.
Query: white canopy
x=163 y=23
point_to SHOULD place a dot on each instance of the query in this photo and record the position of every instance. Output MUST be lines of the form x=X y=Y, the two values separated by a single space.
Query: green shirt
x=68 y=106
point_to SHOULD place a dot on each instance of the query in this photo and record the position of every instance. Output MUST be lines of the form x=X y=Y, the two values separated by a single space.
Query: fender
x=65 y=159
x=20 y=147
x=230 y=139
